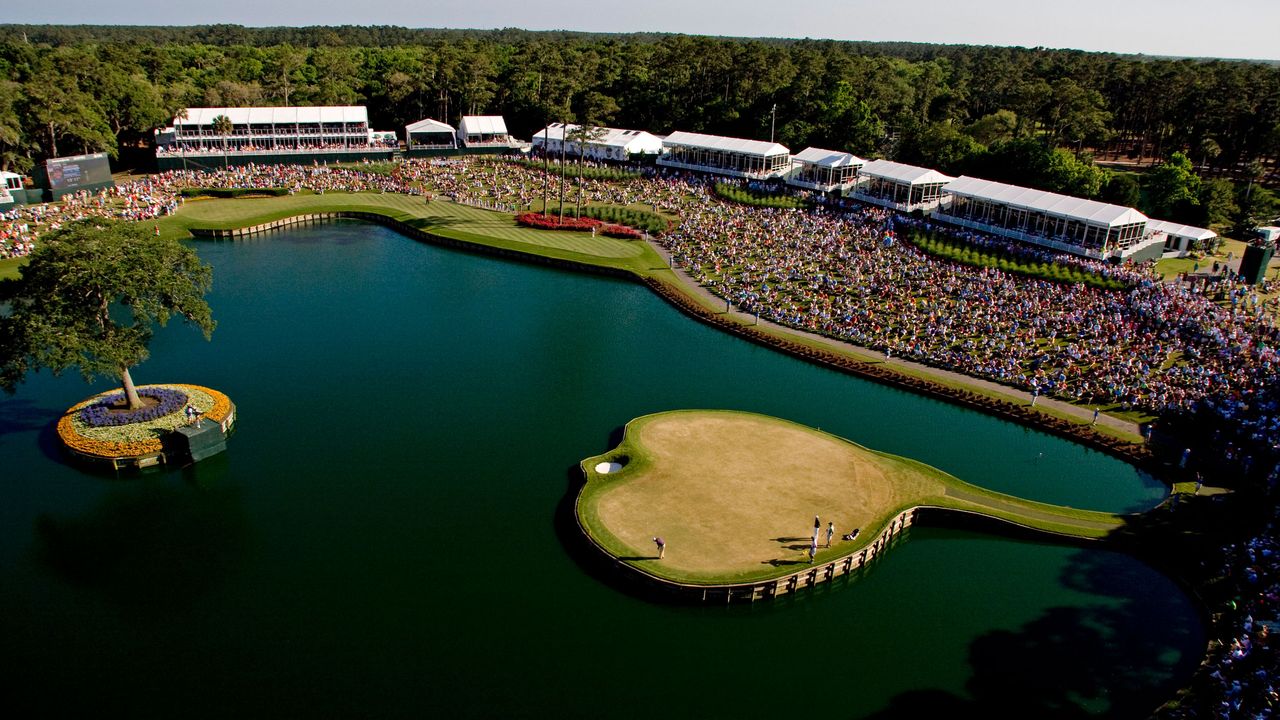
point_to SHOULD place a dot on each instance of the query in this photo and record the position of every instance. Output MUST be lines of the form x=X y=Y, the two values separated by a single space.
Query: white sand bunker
x=605 y=468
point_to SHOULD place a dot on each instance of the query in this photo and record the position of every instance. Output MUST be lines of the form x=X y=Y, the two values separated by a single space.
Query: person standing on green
x=662 y=546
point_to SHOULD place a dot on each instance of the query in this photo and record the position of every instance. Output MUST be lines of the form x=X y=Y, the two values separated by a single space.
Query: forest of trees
x=1032 y=116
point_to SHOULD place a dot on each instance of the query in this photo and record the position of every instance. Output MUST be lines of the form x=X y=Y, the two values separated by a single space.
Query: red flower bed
x=551 y=222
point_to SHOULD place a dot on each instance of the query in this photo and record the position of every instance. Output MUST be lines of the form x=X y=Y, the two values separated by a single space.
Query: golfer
x=662 y=546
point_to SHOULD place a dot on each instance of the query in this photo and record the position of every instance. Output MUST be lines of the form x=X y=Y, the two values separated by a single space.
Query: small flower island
x=177 y=423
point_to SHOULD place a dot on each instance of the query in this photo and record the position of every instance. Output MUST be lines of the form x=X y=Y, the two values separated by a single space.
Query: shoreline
x=684 y=296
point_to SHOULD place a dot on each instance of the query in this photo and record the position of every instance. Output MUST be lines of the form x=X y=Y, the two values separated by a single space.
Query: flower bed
x=538 y=221
x=101 y=412
x=141 y=438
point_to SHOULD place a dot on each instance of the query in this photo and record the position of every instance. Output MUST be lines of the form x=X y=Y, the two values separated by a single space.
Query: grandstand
x=606 y=143
x=485 y=131
x=824 y=170
x=271 y=134
x=902 y=187
x=735 y=157
x=1083 y=227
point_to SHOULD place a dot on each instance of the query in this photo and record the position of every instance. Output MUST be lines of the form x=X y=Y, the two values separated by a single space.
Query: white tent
x=490 y=130
x=430 y=133
x=826 y=170
x=737 y=157
x=609 y=144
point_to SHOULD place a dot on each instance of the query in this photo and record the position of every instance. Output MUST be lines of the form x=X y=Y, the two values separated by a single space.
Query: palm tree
x=222 y=126
x=583 y=135
x=563 y=141
x=178 y=117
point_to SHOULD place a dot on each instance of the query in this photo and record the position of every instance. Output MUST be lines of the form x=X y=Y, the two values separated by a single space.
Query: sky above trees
x=1225 y=29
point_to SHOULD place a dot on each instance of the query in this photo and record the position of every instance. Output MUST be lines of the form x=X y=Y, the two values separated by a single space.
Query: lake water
x=384 y=535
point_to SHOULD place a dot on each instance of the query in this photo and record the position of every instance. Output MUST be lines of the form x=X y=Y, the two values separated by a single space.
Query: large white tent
x=428 y=133
x=483 y=131
x=737 y=157
x=900 y=186
x=1077 y=225
x=825 y=170
x=267 y=129
x=607 y=144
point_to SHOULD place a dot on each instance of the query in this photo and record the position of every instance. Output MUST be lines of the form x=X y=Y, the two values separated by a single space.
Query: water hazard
x=381 y=537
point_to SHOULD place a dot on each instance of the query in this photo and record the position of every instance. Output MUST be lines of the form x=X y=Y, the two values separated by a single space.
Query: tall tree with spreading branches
x=90 y=297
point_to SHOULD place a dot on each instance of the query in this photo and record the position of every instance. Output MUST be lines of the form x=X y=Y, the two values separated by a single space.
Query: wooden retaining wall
x=809 y=577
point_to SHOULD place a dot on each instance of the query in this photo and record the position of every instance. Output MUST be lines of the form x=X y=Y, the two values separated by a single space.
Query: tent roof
x=900 y=172
x=483 y=125
x=827 y=158
x=610 y=137
x=429 y=125
x=278 y=115
x=1046 y=202
x=6 y=175
x=1179 y=230
x=725 y=144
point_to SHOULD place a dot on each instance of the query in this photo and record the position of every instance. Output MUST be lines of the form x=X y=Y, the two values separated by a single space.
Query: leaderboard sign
x=69 y=174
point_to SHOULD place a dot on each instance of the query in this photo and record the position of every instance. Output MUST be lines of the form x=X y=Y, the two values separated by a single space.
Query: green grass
x=10 y=267
x=743 y=196
x=925 y=486
x=589 y=172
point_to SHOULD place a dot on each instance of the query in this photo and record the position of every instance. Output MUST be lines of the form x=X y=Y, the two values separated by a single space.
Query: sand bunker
x=605 y=468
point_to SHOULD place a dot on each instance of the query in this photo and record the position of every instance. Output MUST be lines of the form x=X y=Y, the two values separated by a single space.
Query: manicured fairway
x=734 y=494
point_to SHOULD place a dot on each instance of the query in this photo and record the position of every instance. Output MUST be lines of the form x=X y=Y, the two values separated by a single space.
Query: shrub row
x=965 y=254
x=589 y=172
x=643 y=220
x=738 y=194
x=233 y=192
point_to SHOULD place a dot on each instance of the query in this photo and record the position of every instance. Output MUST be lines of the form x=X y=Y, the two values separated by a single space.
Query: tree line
x=1032 y=116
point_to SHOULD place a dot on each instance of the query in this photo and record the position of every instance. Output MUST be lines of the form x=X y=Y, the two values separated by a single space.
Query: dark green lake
x=381 y=538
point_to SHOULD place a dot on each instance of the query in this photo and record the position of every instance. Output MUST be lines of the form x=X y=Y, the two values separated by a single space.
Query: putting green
x=734 y=494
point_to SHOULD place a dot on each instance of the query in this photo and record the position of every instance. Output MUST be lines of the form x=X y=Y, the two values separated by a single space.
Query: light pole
x=773 y=121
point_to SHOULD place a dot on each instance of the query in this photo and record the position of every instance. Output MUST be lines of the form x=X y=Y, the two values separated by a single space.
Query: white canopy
x=1175 y=229
x=827 y=158
x=429 y=126
x=1065 y=206
x=608 y=137
x=725 y=144
x=483 y=125
x=278 y=115
x=899 y=172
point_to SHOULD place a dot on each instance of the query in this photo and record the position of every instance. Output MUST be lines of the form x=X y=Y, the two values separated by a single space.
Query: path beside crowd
x=868 y=355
